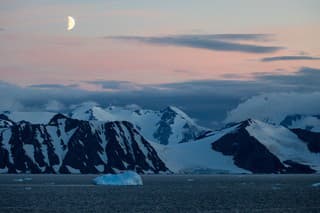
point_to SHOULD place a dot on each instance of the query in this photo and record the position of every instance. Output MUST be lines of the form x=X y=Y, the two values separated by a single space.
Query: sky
x=205 y=57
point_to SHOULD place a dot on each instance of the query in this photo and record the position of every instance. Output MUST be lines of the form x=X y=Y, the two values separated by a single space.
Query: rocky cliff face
x=264 y=148
x=167 y=126
x=66 y=145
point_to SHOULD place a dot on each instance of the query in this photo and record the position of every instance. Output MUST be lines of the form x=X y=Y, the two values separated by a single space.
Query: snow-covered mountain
x=248 y=146
x=292 y=151
x=167 y=126
x=198 y=157
x=66 y=145
x=5 y=122
x=307 y=122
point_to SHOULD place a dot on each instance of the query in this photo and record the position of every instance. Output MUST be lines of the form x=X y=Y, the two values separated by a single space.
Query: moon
x=71 y=23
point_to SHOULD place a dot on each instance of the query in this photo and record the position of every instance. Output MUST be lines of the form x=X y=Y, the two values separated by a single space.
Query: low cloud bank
x=274 y=107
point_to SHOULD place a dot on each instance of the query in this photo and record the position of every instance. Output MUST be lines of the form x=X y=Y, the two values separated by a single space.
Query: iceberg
x=122 y=179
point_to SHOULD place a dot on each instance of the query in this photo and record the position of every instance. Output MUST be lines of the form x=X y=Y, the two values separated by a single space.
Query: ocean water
x=161 y=193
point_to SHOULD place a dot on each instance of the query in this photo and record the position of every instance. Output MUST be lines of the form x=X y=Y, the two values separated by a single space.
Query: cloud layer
x=53 y=86
x=216 y=42
x=289 y=58
x=114 y=85
x=306 y=79
x=206 y=100
x=275 y=107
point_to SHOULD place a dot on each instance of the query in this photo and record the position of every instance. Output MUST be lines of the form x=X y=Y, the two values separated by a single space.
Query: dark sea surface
x=161 y=193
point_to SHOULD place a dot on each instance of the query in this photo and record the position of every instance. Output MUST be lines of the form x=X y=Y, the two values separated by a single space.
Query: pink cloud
x=36 y=58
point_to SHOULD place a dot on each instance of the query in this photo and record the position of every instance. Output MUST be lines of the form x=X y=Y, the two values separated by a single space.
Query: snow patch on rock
x=284 y=144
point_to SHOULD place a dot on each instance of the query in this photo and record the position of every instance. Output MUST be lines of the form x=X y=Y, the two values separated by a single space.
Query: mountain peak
x=56 y=117
x=172 y=109
x=90 y=112
x=179 y=112
x=172 y=122
x=242 y=124
x=247 y=123
x=5 y=121
x=4 y=117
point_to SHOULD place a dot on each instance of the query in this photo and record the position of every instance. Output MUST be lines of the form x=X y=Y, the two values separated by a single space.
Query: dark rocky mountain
x=312 y=139
x=167 y=126
x=188 y=131
x=5 y=121
x=250 y=153
x=66 y=145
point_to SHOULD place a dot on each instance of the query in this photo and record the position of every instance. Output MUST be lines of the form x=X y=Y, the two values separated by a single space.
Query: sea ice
x=125 y=178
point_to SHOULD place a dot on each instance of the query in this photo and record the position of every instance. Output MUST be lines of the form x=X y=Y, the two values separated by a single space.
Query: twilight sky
x=121 y=47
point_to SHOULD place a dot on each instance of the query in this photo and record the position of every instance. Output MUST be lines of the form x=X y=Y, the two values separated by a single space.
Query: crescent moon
x=71 y=23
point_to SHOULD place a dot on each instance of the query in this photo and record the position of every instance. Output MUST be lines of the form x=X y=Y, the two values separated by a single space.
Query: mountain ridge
x=167 y=126
x=69 y=145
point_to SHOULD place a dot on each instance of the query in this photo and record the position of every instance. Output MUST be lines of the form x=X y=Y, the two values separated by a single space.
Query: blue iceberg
x=127 y=178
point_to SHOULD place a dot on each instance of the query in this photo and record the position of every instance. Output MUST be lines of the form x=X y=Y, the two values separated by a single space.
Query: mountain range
x=166 y=126
x=91 y=139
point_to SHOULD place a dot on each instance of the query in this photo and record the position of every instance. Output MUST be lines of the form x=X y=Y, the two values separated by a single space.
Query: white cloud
x=54 y=106
x=274 y=107
x=84 y=104
x=133 y=106
x=8 y=100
